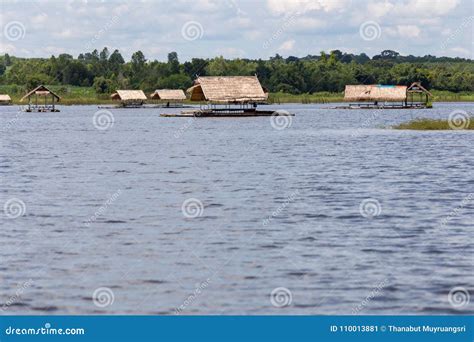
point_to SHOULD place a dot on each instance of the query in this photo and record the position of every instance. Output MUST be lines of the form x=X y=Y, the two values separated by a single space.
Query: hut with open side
x=41 y=99
x=417 y=95
x=384 y=96
x=169 y=96
x=5 y=100
x=130 y=98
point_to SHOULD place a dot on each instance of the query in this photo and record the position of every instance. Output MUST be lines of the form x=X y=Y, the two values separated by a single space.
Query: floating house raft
x=386 y=96
x=41 y=99
x=130 y=98
x=5 y=100
x=226 y=96
x=169 y=97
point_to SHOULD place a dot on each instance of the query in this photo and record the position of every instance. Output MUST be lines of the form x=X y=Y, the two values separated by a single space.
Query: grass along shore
x=436 y=125
x=72 y=95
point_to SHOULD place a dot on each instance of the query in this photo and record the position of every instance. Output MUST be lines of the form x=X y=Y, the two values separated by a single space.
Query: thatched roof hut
x=41 y=91
x=129 y=97
x=227 y=89
x=44 y=104
x=5 y=99
x=375 y=93
x=168 y=95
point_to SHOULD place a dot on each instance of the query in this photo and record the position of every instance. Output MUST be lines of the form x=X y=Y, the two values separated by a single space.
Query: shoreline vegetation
x=434 y=125
x=75 y=95
x=92 y=76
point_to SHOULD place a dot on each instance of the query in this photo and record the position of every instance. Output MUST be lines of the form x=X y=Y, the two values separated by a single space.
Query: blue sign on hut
x=41 y=99
x=386 y=96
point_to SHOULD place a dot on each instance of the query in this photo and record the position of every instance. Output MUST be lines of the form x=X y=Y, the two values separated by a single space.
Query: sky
x=237 y=28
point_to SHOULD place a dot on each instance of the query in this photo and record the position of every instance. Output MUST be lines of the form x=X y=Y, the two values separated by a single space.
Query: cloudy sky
x=237 y=28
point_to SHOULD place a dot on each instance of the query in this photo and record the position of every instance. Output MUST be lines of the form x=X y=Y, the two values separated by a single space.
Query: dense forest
x=330 y=72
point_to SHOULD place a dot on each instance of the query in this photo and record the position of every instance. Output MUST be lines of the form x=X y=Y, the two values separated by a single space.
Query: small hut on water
x=169 y=96
x=130 y=98
x=386 y=96
x=41 y=99
x=5 y=100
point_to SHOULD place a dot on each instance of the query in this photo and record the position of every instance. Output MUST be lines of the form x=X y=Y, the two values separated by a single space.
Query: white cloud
x=287 y=46
x=409 y=31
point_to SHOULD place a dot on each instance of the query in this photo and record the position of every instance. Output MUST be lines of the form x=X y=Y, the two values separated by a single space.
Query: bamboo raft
x=381 y=106
x=227 y=112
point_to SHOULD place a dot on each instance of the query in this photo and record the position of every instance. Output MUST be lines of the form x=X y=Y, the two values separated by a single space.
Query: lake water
x=264 y=209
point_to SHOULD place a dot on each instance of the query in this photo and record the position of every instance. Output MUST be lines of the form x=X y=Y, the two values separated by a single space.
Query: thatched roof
x=129 y=95
x=375 y=92
x=41 y=91
x=5 y=98
x=168 y=94
x=416 y=87
x=227 y=89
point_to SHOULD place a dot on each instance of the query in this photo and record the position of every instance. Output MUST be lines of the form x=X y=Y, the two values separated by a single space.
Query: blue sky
x=237 y=28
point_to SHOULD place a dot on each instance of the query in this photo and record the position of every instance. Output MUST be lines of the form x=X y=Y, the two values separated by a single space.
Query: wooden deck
x=381 y=106
x=224 y=113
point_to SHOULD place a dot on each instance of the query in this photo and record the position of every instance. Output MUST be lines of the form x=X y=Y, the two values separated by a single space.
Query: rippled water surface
x=280 y=208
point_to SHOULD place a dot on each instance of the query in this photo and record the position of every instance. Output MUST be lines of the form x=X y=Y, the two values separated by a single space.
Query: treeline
x=330 y=72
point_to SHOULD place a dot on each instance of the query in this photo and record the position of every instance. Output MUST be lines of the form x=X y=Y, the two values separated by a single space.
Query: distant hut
x=130 y=98
x=175 y=96
x=5 y=100
x=385 y=96
x=41 y=99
